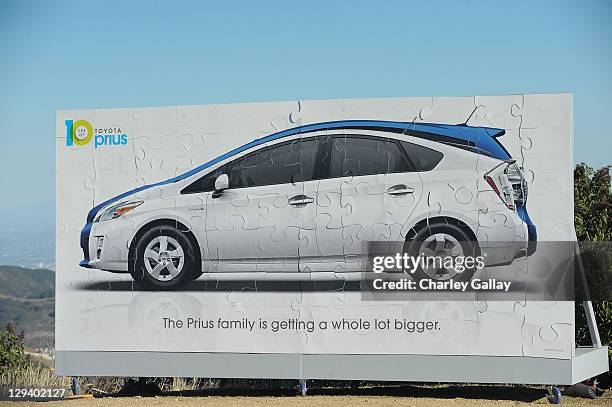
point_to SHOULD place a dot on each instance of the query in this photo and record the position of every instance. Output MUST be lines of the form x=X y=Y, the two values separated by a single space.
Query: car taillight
x=502 y=187
x=518 y=182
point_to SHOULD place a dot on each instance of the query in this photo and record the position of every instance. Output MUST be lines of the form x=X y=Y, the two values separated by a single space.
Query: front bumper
x=106 y=245
x=85 y=233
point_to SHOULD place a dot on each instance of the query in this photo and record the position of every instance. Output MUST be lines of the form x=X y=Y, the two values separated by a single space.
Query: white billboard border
x=584 y=363
x=587 y=363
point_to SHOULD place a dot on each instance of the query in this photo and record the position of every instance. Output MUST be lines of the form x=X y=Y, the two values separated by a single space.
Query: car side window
x=289 y=162
x=357 y=156
x=423 y=158
x=292 y=161
x=205 y=183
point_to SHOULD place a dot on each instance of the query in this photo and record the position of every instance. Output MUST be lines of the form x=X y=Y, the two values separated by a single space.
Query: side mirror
x=221 y=184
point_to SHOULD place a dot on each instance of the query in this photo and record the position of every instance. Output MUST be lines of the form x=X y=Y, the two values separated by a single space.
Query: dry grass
x=40 y=375
x=34 y=375
x=101 y=384
x=190 y=384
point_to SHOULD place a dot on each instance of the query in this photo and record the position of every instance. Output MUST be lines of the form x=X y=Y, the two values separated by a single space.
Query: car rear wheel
x=441 y=242
x=165 y=259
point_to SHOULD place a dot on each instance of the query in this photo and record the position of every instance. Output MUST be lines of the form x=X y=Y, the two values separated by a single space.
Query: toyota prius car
x=305 y=199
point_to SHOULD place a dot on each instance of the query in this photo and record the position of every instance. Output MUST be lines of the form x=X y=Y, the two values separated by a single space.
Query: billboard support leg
x=589 y=312
x=303 y=387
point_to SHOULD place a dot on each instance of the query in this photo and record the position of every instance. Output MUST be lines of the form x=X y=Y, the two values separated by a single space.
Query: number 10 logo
x=79 y=132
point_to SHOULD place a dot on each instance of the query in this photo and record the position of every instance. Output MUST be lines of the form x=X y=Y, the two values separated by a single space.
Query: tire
x=449 y=237
x=166 y=259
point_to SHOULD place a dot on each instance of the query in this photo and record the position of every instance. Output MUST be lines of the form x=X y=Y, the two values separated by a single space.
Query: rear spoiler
x=495 y=133
x=491 y=131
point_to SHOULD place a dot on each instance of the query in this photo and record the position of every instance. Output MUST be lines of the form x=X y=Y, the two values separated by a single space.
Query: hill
x=26 y=283
x=27 y=300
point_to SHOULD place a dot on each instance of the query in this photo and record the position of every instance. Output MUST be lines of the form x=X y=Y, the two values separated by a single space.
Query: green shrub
x=593 y=223
x=12 y=353
x=592 y=204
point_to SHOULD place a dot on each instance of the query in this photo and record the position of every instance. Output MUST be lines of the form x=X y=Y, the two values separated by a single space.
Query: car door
x=369 y=194
x=255 y=224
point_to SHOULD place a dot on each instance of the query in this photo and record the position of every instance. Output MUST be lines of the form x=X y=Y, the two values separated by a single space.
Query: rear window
x=358 y=156
x=423 y=158
x=486 y=145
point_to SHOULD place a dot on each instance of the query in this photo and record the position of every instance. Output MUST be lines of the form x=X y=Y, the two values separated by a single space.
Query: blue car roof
x=482 y=138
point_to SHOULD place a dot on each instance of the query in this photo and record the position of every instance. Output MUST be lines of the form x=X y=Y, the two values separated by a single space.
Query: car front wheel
x=164 y=260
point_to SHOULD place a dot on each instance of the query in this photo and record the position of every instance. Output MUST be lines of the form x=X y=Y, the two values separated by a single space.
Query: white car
x=307 y=199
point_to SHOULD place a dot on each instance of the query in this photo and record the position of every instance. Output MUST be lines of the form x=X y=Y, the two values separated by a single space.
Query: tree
x=12 y=354
x=593 y=223
x=592 y=204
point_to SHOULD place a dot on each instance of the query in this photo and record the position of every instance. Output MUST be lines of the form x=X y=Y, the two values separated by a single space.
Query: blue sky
x=85 y=54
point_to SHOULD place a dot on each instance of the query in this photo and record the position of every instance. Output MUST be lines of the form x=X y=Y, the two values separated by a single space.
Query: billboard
x=243 y=229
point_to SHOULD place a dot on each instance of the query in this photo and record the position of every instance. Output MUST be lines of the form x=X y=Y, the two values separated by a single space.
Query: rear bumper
x=533 y=242
x=532 y=232
x=502 y=237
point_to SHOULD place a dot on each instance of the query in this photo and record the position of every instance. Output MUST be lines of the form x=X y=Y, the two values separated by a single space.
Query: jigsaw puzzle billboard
x=241 y=228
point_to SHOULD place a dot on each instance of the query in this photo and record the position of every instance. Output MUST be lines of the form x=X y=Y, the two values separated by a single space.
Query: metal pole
x=586 y=304
x=303 y=387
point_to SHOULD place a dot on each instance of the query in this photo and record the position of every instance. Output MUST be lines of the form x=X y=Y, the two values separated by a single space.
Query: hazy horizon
x=66 y=54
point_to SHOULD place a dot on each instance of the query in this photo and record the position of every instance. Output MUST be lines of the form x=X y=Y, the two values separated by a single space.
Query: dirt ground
x=471 y=396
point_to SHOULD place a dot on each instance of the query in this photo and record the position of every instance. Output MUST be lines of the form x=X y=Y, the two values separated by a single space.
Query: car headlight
x=117 y=210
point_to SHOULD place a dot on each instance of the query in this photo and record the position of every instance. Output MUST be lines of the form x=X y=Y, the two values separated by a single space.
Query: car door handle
x=400 y=189
x=300 y=200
